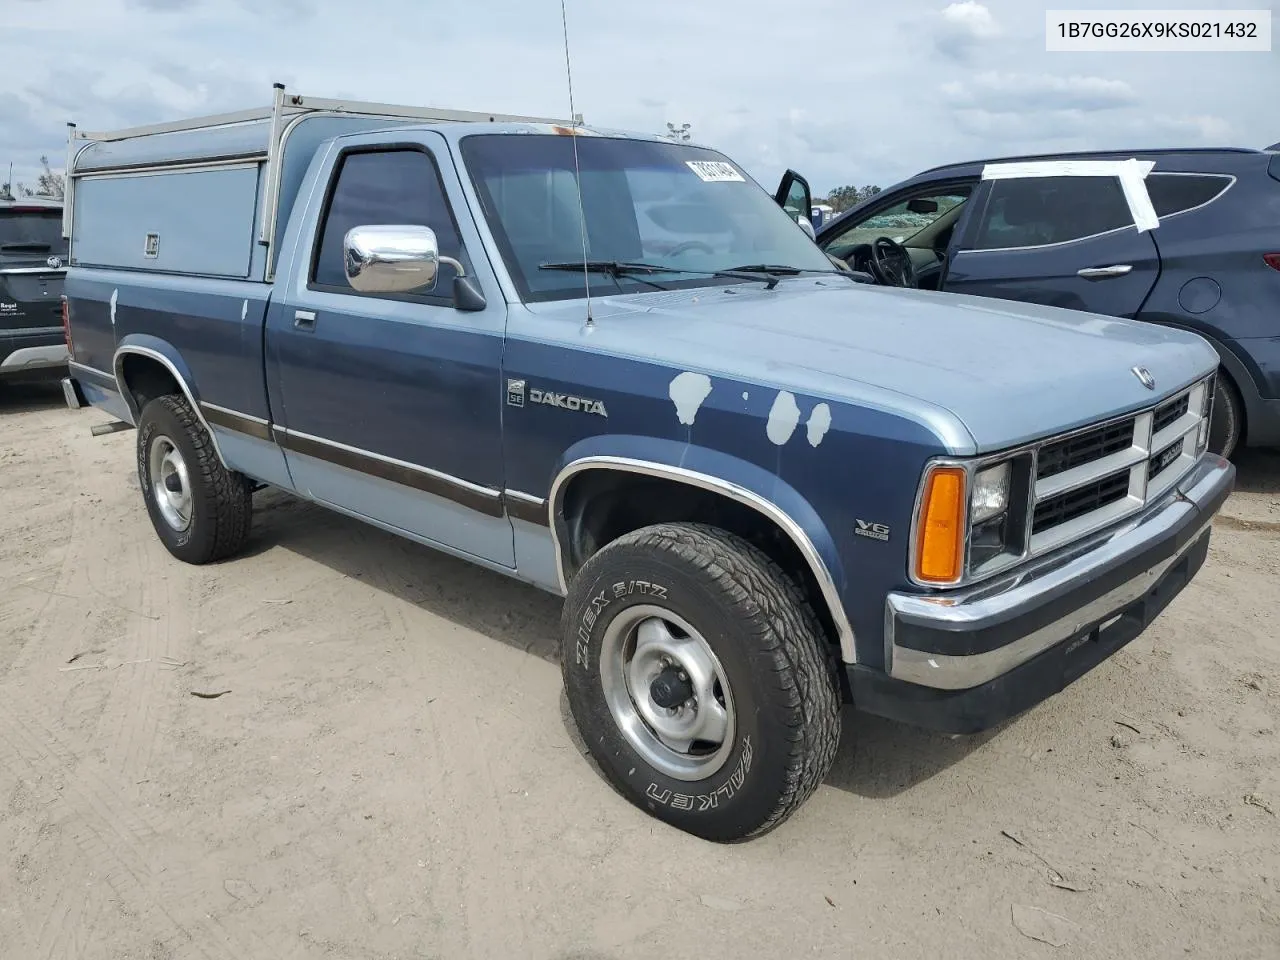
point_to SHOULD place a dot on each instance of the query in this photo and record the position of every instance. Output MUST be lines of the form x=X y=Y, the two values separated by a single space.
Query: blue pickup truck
x=610 y=365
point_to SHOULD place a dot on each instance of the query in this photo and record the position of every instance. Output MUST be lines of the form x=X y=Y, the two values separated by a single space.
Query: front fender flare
x=720 y=473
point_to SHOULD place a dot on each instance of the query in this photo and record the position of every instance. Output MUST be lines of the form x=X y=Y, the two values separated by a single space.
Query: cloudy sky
x=843 y=96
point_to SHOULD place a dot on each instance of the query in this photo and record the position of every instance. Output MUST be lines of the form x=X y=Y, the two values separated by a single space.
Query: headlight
x=990 y=496
x=970 y=521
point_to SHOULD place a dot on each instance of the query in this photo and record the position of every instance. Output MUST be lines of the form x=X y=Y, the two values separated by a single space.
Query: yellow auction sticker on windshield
x=715 y=171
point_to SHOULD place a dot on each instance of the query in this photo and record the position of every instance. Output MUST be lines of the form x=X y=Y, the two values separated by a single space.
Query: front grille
x=1076 y=503
x=1170 y=412
x=1093 y=477
x=1063 y=455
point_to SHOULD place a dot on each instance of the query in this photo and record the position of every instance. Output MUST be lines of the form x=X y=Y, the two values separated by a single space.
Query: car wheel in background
x=1227 y=420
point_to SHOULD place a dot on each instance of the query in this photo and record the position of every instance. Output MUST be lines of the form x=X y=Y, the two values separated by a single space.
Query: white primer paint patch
x=1132 y=174
x=784 y=416
x=819 y=423
x=115 y=296
x=244 y=309
x=687 y=391
x=744 y=395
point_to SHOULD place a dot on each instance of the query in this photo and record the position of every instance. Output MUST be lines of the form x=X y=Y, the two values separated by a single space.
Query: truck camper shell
x=204 y=196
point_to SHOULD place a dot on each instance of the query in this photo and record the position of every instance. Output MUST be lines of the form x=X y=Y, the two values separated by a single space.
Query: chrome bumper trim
x=1000 y=602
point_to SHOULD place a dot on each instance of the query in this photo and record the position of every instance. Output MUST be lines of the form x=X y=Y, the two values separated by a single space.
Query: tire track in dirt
x=114 y=838
x=478 y=898
x=64 y=923
x=141 y=699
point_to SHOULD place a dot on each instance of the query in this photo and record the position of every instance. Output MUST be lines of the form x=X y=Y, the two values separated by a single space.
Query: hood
x=982 y=373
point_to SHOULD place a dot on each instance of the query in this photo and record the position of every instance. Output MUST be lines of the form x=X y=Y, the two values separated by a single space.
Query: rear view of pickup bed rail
x=613 y=366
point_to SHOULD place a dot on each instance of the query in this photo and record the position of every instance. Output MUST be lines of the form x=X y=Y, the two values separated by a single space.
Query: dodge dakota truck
x=614 y=367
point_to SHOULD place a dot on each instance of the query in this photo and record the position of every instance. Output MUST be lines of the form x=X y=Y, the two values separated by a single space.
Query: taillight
x=66 y=323
x=1272 y=260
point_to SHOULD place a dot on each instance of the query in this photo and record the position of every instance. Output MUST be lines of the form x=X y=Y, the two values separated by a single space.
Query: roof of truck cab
x=458 y=131
x=249 y=141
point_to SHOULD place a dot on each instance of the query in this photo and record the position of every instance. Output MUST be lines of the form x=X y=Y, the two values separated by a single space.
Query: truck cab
x=612 y=366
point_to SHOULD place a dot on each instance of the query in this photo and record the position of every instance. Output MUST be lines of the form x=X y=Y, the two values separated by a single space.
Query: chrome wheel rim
x=170 y=484
x=650 y=656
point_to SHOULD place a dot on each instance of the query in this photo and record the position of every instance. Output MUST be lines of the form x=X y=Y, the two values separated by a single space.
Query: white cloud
x=964 y=25
x=1022 y=92
x=841 y=94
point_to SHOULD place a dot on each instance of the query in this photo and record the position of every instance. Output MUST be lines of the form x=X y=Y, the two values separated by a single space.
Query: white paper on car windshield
x=715 y=171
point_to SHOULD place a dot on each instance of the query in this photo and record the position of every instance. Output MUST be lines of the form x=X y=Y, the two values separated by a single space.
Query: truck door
x=1063 y=241
x=388 y=404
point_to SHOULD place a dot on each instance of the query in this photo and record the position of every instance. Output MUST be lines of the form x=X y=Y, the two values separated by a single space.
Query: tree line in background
x=842 y=198
x=48 y=184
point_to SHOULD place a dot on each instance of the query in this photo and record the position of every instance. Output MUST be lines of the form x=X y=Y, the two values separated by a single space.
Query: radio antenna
x=577 y=169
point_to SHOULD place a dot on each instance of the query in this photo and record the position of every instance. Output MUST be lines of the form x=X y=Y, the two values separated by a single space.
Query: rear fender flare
x=163 y=353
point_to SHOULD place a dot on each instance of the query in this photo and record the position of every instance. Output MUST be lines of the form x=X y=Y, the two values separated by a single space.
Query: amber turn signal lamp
x=940 y=537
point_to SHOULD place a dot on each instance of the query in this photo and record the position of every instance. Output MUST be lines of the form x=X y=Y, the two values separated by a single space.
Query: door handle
x=304 y=319
x=1102 y=273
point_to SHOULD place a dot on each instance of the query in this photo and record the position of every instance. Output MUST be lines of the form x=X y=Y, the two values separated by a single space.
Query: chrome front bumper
x=961 y=640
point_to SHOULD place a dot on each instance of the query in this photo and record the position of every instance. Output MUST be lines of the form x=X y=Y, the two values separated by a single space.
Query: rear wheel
x=699 y=678
x=200 y=510
x=1227 y=420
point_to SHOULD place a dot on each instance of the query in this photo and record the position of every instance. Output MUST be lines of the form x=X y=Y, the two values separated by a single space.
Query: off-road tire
x=1226 y=423
x=768 y=641
x=222 y=499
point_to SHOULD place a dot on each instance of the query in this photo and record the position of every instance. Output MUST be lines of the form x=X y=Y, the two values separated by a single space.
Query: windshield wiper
x=615 y=269
x=770 y=273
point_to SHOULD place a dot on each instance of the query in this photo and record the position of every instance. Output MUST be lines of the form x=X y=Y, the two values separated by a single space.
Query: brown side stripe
x=488 y=504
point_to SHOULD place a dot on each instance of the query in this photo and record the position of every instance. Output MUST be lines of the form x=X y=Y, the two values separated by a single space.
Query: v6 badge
x=874 y=531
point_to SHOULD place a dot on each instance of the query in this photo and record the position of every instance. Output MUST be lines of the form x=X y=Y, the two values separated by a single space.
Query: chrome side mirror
x=393 y=258
x=807 y=226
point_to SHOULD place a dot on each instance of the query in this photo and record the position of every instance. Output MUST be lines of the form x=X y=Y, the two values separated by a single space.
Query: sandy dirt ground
x=391 y=772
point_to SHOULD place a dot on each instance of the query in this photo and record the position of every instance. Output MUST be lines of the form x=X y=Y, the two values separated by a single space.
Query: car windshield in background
x=899 y=223
x=686 y=210
x=28 y=230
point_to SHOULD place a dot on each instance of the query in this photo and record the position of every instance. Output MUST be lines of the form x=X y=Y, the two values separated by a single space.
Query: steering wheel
x=687 y=245
x=891 y=264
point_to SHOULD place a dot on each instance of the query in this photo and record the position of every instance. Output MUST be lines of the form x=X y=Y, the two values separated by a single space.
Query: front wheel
x=200 y=510
x=699 y=678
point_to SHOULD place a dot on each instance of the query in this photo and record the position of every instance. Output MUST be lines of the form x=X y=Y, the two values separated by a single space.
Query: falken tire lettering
x=706 y=801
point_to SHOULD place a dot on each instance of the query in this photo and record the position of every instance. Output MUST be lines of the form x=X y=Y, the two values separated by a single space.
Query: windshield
x=679 y=207
x=31 y=231
x=899 y=222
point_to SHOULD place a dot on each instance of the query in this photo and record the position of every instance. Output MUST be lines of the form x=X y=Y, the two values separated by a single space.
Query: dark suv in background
x=1211 y=266
x=33 y=256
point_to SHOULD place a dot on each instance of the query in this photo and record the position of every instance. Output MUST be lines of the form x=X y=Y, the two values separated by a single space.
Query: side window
x=388 y=186
x=796 y=202
x=1036 y=211
x=1175 y=192
x=899 y=222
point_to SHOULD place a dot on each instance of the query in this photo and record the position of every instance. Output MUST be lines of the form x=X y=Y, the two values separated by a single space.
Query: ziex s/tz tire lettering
x=700 y=680
x=200 y=510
